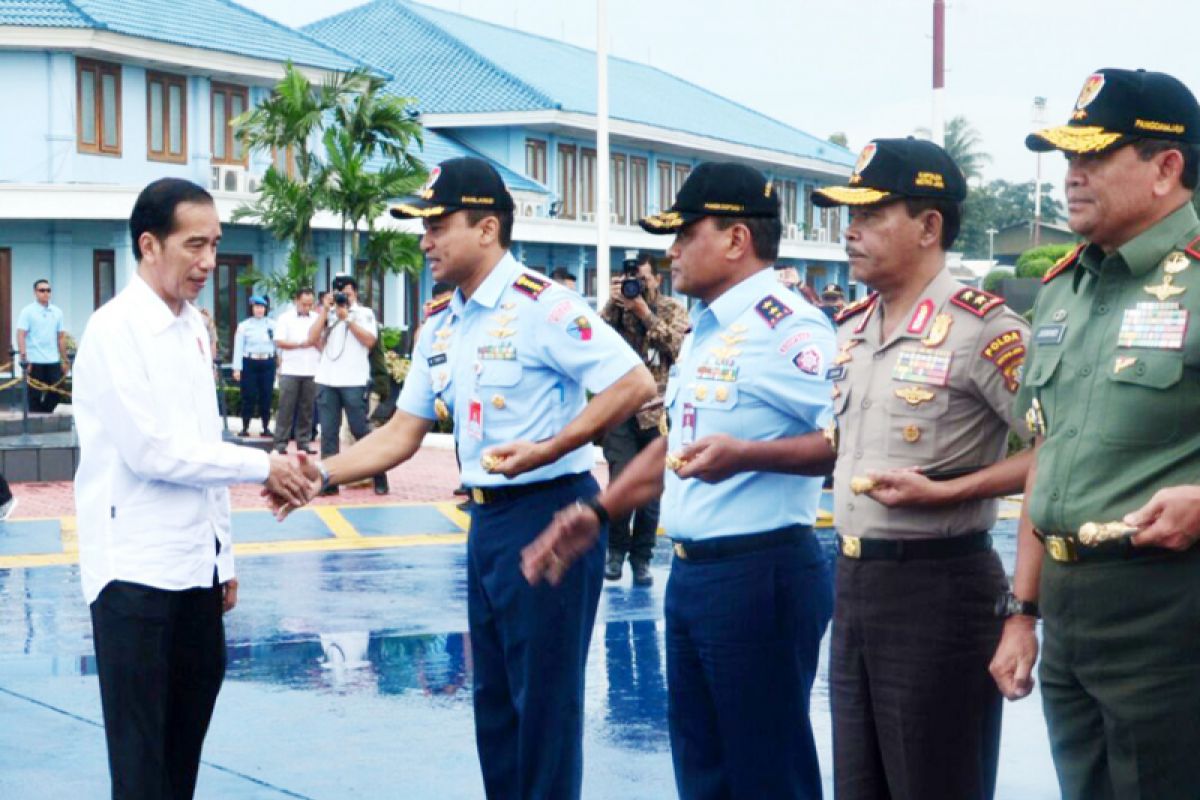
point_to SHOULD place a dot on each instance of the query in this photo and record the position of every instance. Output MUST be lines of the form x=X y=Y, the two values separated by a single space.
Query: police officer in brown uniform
x=1111 y=386
x=924 y=383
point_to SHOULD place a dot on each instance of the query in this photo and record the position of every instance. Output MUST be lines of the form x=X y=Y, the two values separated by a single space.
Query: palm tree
x=964 y=144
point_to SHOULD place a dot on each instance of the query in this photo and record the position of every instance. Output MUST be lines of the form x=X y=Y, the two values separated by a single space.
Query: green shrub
x=1040 y=258
x=1034 y=267
x=991 y=281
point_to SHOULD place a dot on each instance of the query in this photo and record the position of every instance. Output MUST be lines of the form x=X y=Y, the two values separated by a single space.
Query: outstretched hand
x=291 y=484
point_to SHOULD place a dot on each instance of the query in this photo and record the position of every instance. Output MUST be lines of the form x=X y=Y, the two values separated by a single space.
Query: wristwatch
x=1009 y=605
x=324 y=473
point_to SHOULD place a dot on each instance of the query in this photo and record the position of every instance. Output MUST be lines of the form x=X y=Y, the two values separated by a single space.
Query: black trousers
x=621 y=445
x=160 y=656
x=42 y=401
x=258 y=381
x=916 y=716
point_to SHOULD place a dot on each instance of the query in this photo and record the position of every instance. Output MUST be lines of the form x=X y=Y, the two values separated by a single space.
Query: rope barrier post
x=24 y=395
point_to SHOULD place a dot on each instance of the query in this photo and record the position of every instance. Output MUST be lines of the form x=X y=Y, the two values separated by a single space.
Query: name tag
x=1157 y=325
x=440 y=358
x=1050 y=334
x=836 y=373
x=922 y=365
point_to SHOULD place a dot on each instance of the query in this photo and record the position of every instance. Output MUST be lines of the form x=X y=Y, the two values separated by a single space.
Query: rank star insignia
x=939 y=331
x=915 y=395
x=501 y=333
x=1166 y=290
x=1175 y=263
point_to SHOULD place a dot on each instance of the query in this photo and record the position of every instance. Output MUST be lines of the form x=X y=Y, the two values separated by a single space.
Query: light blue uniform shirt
x=41 y=324
x=518 y=356
x=753 y=367
x=255 y=336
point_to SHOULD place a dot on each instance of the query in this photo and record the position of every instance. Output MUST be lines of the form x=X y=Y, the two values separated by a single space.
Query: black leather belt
x=725 y=546
x=858 y=548
x=486 y=495
x=1067 y=549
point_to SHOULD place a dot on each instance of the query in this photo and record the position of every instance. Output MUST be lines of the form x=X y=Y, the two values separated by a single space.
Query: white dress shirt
x=292 y=328
x=344 y=360
x=150 y=493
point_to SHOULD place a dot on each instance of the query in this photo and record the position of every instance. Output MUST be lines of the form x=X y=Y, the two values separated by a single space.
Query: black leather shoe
x=243 y=433
x=381 y=484
x=329 y=491
x=614 y=565
x=641 y=573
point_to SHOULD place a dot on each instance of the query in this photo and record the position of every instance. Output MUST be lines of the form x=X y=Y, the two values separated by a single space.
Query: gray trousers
x=297 y=395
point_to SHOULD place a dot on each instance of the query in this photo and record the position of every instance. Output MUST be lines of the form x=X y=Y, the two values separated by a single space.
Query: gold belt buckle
x=851 y=547
x=1060 y=549
x=478 y=496
x=680 y=550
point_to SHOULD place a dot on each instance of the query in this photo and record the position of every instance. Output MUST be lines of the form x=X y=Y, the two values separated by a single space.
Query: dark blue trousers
x=530 y=647
x=258 y=383
x=743 y=636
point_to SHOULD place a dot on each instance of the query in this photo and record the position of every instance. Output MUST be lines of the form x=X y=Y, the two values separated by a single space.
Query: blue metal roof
x=209 y=24
x=455 y=64
x=439 y=147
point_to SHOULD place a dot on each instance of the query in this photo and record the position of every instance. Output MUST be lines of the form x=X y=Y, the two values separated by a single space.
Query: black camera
x=341 y=299
x=631 y=285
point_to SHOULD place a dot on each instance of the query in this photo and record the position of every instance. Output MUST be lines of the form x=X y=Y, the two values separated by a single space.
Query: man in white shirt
x=346 y=332
x=297 y=370
x=155 y=555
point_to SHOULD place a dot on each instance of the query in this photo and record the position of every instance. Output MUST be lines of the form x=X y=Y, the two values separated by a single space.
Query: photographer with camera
x=654 y=326
x=346 y=332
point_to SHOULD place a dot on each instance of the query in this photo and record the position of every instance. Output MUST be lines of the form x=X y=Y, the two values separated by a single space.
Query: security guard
x=1110 y=386
x=510 y=357
x=749 y=595
x=254 y=364
x=926 y=374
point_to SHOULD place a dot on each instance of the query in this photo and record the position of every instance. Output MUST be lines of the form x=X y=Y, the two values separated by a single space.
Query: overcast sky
x=864 y=66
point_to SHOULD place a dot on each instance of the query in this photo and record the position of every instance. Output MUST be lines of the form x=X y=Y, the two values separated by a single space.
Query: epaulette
x=976 y=301
x=531 y=285
x=856 y=308
x=772 y=310
x=1068 y=261
x=438 y=304
x=1193 y=249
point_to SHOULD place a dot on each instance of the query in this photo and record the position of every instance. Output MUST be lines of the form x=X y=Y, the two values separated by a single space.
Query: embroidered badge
x=531 y=286
x=1011 y=363
x=920 y=317
x=809 y=361
x=793 y=340
x=580 y=329
x=977 y=301
x=772 y=310
x=1000 y=343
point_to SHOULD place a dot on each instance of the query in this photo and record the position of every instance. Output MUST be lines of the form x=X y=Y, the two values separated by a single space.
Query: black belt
x=485 y=495
x=1067 y=549
x=725 y=546
x=856 y=547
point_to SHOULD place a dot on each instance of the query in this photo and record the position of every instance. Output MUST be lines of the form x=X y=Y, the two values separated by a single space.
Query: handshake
x=291 y=483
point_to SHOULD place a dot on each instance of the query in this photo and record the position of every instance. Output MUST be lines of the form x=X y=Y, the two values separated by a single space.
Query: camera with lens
x=631 y=284
x=341 y=299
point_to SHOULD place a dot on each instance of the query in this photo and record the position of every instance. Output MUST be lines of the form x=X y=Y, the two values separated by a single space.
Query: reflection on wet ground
x=349 y=677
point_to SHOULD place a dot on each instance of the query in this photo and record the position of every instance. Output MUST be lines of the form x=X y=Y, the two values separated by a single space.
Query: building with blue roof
x=529 y=103
x=112 y=94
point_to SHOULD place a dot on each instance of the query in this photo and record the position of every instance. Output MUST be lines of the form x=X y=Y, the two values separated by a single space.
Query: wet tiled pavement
x=349 y=673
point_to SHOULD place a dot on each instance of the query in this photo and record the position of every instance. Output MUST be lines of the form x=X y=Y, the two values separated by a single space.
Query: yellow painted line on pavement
x=451 y=512
x=333 y=519
x=40 y=560
x=69 y=533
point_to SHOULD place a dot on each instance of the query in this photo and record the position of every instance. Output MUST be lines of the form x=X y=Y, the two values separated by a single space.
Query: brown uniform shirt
x=658 y=345
x=938 y=394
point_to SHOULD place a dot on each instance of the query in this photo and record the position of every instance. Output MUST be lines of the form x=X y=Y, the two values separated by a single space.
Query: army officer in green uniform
x=1111 y=385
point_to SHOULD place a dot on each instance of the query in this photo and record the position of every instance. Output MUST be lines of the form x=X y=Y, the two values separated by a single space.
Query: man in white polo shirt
x=298 y=361
x=155 y=554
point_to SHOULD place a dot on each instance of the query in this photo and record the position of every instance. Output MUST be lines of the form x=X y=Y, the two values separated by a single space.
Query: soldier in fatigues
x=925 y=377
x=1110 y=386
x=749 y=595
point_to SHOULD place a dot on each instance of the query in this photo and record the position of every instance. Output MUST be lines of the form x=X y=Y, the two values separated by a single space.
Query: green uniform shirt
x=1115 y=368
